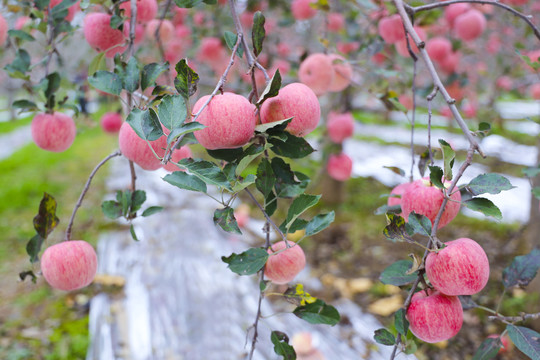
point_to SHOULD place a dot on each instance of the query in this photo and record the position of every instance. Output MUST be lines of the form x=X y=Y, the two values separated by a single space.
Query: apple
x=177 y=155
x=111 y=122
x=391 y=29
x=180 y=15
x=139 y=32
x=505 y=340
x=424 y=198
x=340 y=126
x=69 y=265
x=450 y=63
x=339 y=167
x=534 y=90
x=302 y=10
x=434 y=317
x=137 y=150
x=53 y=132
x=343 y=72
x=504 y=83
x=294 y=100
x=401 y=45
x=470 y=25
x=460 y=268
x=397 y=191
x=100 y=36
x=317 y=72
x=283 y=49
x=166 y=30
x=336 y=22
x=20 y=23
x=438 y=48
x=146 y=10
x=347 y=47
x=211 y=50
x=241 y=214
x=229 y=120
x=454 y=10
x=3 y=30
x=72 y=10
x=282 y=268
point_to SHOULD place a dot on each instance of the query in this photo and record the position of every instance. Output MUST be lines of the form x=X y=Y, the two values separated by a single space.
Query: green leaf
x=106 y=81
x=151 y=210
x=397 y=229
x=226 y=220
x=20 y=64
x=137 y=199
x=396 y=274
x=247 y=263
x=186 y=81
x=97 y=63
x=132 y=232
x=423 y=161
x=435 y=176
x=185 y=181
x=384 y=337
x=150 y=73
x=258 y=33
x=185 y=129
x=229 y=155
x=125 y=201
x=318 y=312
x=262 y=128
x=270 y=204
x=265 y=177
x=300 y=205
x=467 y=302
x=250 y=154
x=145 y=124
x=208 y=172
x=489 y=183
x=420 y=224
x=293 y=147
x=531 y=171
x=522 y=270
x=395 y=170
x=271 y=90
x=448 y=158
x=25 y=105
x=60 y=11
x=172 y=111
x=192 y=3
x=525 y=339
x=484 y=206
x=401 y=323
x=241 y=185
x=46 y=220
x=230 y=40
x=397 y=105
x=488 y=349
x=24 y=274
x=111 y=209
x=281 y=345
x=319 y=223
x=298 y=224
x=21 y=35
x=33 y=247
x=131 y=75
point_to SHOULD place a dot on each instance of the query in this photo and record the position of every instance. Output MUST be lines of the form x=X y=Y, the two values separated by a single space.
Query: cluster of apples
x=460 y=268
x=325 y=73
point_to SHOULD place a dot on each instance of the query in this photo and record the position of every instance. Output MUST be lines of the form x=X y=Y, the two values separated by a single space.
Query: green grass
x=9 y=126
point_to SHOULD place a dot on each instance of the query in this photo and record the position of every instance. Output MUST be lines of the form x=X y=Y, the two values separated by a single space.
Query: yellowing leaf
x=386 y=306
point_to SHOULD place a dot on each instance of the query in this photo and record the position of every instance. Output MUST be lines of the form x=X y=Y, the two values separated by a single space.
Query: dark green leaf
x=298 y=224
x=258 y=33
x=250 y=154
x=395 y=170
x=60 y=11
x=25 y=105
x=230 y=40
x=401 y=323
x=526 y=340
x=435 y=176
x=125 y=201
x=247 y=263
x=536 y=192
x=522 y=269
x=20 y=64
x=271 y=90
x=384 y=337
x=422 y=162
x=420 y=224
x=116 y=21
x=132 y=232
x=145 y=124
x=319 y=223
x=106 y=81
x=300 y=205
x=226 y=220
x=293 y=147
x=265 y=177
x=172 y=111
x=45 y=221
x=229 y=155
x=151 y=210
x=21 y=35
x=281 y=345
x=272 y=126
x=185 y=181
x=111 y=209
x=33 y=247
x=192 y=3
x=488 y=349
x=484 y=206
x=186 y=80
x=483 y=129
x=23 y=275
x=185 y=130
x=208 y=172
x=318 y=312
x=448 y=158
x=270 y=204
x=489 y=183
x=150 y=73
x=396 y=274
x=397 y=229
x=137 y=199
x=131 y=75
x=242 y=184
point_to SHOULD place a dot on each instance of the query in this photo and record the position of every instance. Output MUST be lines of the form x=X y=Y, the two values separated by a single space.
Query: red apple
x=336 y=22
x=137 y=150
x=343 y=72
x=69 y=265
x=470 y=25
x=317 y=72
x=100 y=36
x=294 y=100
x=438 y=48
x=241 y=214
x=166 y=30
x=534 y=90
x=3 y=30
x=461 y=268
x=339 y=167
x=424 y=198
x=53 y=132
x=302 y=10
x=229 y=119
x=146 y=10
x=111 y=122
x=391 y=29
x=504 y=83
x=436 y=317
x=282 y=268
x=454 y=10
x=340 y=126
x=397 y=191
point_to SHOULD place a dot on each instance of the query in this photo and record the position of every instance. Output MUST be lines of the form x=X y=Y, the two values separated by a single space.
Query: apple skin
x=294 y=100
x=391 y=29
x=507 y=344
x=438 y=48
x=177 y=155
x=340 y=126
x=166 y=30
x=229 y=119
x=461 y=268
x=100 y=36
x=146 y=10
x=470 y=25
x=283 y=267
x=336 y=22
x=343 y=73
x=398 y=190
x=534 y=90
x=426 y=200
x=436 y=317
x=3 y=30
x=454 y=10
x=69 y=265
x=136 y=149
x=302 y=10
x=111 y=122
x=317 y=72
x=53 y=132
x=339 y=167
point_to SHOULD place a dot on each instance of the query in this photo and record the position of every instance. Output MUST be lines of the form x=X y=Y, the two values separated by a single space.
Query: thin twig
x=132 y=27
x=513 y=319
x=85 y=190
x=158 y=38
x=267 y=217
x=430 y=98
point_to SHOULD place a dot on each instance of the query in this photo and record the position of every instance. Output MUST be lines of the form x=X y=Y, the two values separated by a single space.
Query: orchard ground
x=348 y=258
